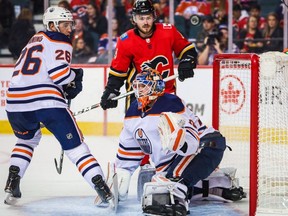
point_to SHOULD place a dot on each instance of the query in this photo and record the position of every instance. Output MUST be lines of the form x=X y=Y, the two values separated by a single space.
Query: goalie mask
x=148 y=86
x=56 y=15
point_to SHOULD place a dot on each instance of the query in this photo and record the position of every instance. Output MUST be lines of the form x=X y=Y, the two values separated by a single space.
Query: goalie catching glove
x=172 y=133
x=72 y=89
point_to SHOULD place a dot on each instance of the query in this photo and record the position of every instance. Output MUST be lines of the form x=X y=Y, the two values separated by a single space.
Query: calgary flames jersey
x=155 y=52
x=39 y=73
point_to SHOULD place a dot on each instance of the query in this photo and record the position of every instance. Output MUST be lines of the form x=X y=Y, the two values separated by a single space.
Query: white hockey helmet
x=56 y=14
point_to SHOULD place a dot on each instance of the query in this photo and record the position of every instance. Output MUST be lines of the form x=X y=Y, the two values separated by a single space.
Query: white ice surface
x=45 y=192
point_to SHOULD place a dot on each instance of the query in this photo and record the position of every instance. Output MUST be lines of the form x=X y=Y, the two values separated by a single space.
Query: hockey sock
x=21 y=157
x=23 y=152
x=85 y=162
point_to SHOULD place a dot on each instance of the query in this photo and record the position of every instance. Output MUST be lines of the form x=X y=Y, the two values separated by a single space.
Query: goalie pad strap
x=205 y=188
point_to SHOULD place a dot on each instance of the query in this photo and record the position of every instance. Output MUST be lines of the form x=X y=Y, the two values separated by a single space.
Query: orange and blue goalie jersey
x=155 y=52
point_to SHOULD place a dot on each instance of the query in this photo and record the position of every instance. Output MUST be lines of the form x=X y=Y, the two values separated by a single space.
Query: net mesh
x=234 y=124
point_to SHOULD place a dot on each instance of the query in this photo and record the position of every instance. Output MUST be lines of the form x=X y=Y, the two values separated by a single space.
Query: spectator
x=216 y=43
x=238 y=16
x=273 y=34
x=80 y=32
x=81 y=52
x=7 y=16
x=208 y=25
x=96 y=23
x=162 y=11
x=21 y=32
x=219 y=5
x=255 y=10
x=122 y=11
x=79 y=7
x=219 y=9
x=280 y=10
x=102 y=57
x=251 y=38
x=65 y=4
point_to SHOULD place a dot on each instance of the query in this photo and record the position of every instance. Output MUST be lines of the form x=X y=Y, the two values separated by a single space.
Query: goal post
x=250 y=108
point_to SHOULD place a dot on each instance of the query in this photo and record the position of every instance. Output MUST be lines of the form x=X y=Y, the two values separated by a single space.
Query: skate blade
x=10 y=200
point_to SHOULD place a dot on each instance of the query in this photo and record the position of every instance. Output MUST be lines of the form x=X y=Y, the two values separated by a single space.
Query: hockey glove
x=106 y=101
x=171 y=131
x=185 y=67
x=75 y=87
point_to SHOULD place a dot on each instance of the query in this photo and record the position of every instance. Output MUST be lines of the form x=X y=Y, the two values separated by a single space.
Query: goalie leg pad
x=159 y=199
x=221 y=185
x=124 y=177
x=145 y=175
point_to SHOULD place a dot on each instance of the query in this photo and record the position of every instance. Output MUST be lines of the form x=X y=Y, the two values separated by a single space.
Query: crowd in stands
x=252 y=32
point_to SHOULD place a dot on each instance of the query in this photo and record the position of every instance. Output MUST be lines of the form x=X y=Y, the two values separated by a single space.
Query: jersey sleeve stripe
x=51 y=71
x=117 y=74
x=192 y=133
x=63 y=79
x=60 y=73
x=190 y=46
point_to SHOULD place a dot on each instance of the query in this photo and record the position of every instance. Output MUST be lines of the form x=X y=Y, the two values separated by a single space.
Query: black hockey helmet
x=143 y=7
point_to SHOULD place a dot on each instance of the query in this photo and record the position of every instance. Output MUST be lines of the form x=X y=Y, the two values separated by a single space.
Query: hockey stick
x=86 y=109
x=59 y=169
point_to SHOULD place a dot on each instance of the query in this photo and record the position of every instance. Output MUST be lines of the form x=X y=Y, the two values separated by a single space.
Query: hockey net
x=250 y=108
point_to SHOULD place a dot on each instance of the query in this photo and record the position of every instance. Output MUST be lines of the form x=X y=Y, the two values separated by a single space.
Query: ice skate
x=102 y=189
x=12 y=188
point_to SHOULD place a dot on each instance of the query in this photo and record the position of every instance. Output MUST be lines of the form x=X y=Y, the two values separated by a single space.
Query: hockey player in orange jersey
x=42 y=81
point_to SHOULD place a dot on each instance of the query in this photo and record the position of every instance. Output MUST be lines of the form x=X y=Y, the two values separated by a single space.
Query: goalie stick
x=94 y=106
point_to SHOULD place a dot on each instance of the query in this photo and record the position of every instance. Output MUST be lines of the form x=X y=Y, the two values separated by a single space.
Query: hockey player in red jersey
x=182 y=148
x=148 y=45
x=42 y=81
